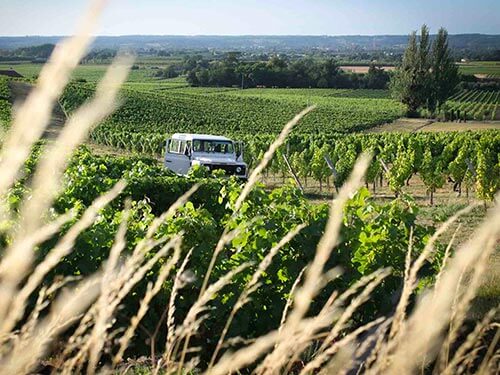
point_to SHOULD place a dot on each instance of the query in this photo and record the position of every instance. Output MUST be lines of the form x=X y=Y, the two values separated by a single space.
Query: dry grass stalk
x=252 y=286
x=325 y=351
x=157 y=222
x=491 y=360
x=320 y=359
x=28 y=126
x=332 y=349
x=339 y=314
x=47 y=179
x=123 y=283
x=447 y=254
x=33 y=116
x=191 y=322
x=411 y=280
x=42 y=302
x=141 y=271
x=25 y=355
x=422 y=336
x=399 y=323
x=462 y=352
x=465 y=298
x=152 y=291
x=179 y=283
x=315 y=271
x=341 y=362
x=366 y=354
x=101 y=320
x=290 y=299
x=63 y=247
x=8 y=263
x=232 y=362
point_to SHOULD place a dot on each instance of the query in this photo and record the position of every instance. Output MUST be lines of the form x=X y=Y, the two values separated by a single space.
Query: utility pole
x=242 y=80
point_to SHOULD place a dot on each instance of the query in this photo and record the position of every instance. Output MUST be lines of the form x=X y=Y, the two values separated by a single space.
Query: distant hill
x=260 y=43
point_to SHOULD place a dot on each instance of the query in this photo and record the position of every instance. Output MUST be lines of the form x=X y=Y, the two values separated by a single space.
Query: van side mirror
x=167 y=146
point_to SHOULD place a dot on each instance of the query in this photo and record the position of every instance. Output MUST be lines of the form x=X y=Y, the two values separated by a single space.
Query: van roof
x=208 y=137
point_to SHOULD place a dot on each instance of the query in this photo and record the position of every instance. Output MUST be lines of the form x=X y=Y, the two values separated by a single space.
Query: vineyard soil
x=19 y=92
x=410 y=125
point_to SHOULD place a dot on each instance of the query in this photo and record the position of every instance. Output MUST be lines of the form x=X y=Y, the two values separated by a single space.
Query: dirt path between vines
x=412 y=125
x=19 y=92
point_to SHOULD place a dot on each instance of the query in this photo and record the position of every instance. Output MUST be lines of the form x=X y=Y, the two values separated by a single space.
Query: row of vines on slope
x=176 y=111
x=469 y=160
x=5 y=106
x=473 y=105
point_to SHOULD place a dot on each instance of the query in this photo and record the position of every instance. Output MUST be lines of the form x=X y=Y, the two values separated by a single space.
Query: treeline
x=42 y=52
x=35 y=53
x=100 y=55
x=280 y=72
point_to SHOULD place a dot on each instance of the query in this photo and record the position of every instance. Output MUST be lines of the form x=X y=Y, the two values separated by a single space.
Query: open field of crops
x=474 y=105
x=151 y=109
x=483 y=68
x=88 y=72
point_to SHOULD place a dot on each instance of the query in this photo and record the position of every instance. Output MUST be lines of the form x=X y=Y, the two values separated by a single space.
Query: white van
x=214 y=152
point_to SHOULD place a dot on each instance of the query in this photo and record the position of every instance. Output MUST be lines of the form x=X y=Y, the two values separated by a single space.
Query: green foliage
x=4 y=88
x=146 y=117
x=410 y=82
x=432 y=172
x=372 y=235
x=425 y=79
x=444 y=71
x=488 y=171
x=472 y=105
x=5 y=106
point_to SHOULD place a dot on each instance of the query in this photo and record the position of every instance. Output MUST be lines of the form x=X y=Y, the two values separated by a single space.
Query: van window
x=174 y=146
x=224 y=147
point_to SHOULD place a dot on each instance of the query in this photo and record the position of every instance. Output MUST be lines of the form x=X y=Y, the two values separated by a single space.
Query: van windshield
x=219 y=147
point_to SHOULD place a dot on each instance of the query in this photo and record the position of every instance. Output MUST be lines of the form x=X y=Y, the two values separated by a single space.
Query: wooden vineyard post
x=334 y=171
x=386 y=170
x=295 y=177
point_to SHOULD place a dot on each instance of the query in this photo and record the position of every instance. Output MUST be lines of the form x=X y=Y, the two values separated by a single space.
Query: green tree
x=376 y=78
x=444 y=71
x=411 y=83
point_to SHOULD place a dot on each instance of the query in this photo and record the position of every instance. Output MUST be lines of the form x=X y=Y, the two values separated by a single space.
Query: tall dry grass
x=404 y=343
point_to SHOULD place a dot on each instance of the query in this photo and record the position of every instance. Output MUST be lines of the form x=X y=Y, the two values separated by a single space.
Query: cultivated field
x=363 y=69
x=486 y=69
x=202 y=273
x=474 y=105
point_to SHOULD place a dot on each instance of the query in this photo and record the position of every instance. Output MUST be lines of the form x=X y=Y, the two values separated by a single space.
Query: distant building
x=10 y=73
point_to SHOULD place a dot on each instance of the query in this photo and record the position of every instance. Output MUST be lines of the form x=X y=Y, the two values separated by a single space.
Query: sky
x=252 y=17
